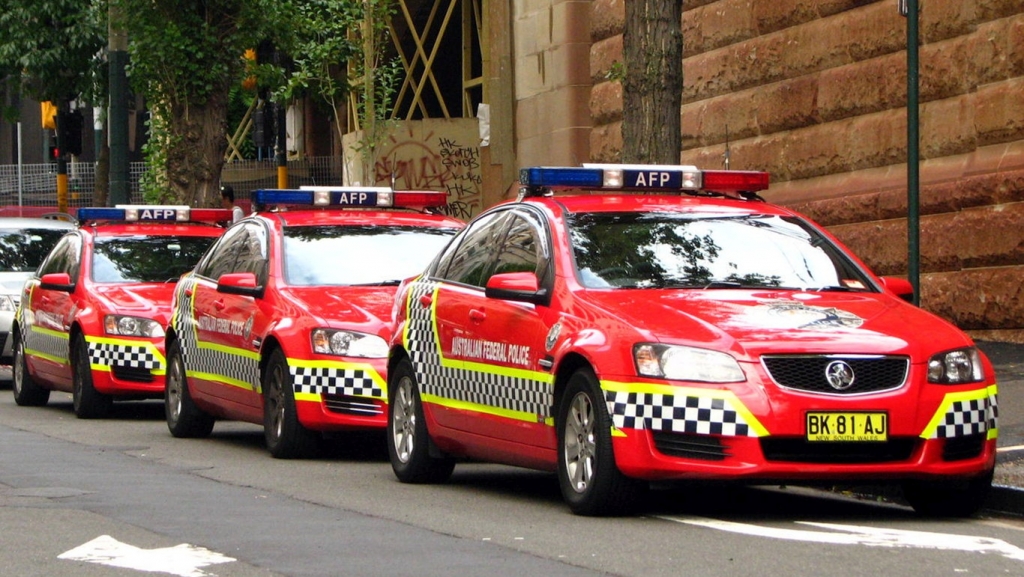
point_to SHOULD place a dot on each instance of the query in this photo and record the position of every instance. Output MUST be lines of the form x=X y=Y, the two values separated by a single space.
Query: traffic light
x=263 y=127
x=70 y=138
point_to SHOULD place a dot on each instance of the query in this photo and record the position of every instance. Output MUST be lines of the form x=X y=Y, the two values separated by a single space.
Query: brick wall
x=814 y=91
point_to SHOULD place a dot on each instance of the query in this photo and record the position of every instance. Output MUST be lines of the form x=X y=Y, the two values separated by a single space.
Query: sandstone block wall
x=814 y=91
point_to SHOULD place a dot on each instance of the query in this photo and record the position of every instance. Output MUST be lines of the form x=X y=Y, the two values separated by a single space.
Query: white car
x=24 y=243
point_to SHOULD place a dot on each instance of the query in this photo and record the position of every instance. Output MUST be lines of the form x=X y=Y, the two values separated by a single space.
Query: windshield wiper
x=381 y=283
x=723 y=284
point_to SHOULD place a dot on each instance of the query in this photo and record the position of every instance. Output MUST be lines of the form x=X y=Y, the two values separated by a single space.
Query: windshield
x=21 y=250
x=359 y=255
x=665 y=250
x=146 y=258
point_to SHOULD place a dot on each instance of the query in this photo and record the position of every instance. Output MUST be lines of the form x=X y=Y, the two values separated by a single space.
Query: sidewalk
x=1008 y=487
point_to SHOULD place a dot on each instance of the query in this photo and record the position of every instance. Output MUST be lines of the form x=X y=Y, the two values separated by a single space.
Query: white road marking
x=183 y=560
x=861 y=535
x=1010 y=448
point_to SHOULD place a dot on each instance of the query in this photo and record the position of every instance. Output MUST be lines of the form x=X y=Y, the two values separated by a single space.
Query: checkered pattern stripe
x=490 y=389
x=676 y=414
x=968 y=417
x=335 y=381
x=53 y=345
x=200 y=359
x=124 y=355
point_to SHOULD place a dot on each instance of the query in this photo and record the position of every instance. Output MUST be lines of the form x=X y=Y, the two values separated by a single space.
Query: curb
x=1005 y=500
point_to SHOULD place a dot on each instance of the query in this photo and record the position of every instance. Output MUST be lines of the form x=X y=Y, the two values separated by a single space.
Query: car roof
x=111 y=229
x=19 y=222
x=351 y=217
x=658 y=201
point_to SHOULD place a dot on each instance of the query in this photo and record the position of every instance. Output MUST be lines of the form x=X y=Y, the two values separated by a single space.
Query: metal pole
x=913 y=154
x=117 y=117
x=21 y=185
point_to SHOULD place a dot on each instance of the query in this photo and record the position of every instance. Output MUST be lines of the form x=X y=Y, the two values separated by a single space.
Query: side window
x=252 y=256
x=470 y=262
x=64 y=257
x=223 y=254
x=524 y=248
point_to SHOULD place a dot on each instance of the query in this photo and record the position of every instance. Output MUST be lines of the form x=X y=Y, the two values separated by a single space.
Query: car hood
x=753 y=323
x=148 y=300
x=12 y=282
x=347 y=305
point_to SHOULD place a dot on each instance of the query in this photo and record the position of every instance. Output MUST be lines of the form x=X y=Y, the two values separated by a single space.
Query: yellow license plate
x=847 y=427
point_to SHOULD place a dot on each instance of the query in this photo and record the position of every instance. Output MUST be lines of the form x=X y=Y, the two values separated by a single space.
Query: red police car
x=91 y=319
x=692 y=331
x=285 y=321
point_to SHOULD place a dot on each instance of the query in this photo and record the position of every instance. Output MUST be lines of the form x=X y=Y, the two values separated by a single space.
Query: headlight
x=132 y=326
x=686 y=364
x=955 y=367
x=349 y=344
x=7 y=304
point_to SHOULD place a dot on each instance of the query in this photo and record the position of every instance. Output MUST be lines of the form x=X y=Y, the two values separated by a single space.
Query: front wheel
x=407 y=437
x=86 y=400
x=27 y=392
x=286 y=437
x=961 y=498
x=590 y=481
x=184 y=418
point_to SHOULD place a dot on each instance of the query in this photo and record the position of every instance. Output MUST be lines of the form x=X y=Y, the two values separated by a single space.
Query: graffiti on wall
x=436 y=154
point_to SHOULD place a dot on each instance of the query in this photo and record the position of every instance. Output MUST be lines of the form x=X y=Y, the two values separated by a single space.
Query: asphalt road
x=64 y=483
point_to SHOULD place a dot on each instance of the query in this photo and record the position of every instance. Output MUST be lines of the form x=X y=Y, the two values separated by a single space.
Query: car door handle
x=426 y=300
x=477 y=315
x=219 y=305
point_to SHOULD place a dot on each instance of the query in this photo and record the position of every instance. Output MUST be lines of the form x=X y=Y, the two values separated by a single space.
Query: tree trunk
x=195 y=162
x=653 y=86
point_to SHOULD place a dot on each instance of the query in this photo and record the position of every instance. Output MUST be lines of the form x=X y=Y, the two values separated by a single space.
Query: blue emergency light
x=644 y=177
x=135 y=213
x=348 y=196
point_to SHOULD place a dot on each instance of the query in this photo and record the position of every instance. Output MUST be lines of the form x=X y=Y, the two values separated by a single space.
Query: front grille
x=809 y=372
x=961 y=448
x=351 y=405
x=132 y=374
x=701 y=447
x=799 y=450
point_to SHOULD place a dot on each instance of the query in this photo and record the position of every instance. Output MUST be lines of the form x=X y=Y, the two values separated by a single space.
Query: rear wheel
x=961 y=498
x=87 y=401
x=285 y=435
x=407 y=437
x=591 y=483
x=27 y=392
x=184 y=418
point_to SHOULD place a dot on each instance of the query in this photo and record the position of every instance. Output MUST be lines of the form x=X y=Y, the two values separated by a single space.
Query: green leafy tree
x=51 y=50
x=338 y=52
x=185 y=57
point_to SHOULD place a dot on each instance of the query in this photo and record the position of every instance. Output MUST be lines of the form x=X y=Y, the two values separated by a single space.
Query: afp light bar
x=347 y=197
x=153 y=213
x=644 y=177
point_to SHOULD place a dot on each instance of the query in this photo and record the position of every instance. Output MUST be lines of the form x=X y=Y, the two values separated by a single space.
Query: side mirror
x=516 y=286
x=57 y=281
x=901 y=287
x=239 y=283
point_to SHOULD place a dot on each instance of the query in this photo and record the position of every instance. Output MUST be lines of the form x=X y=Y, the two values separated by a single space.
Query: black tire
x=407 y=437
x=86 y=400
x=27 y=392
x=285 y=435
x=184 y=418
x=591 y=483
x=961 y=498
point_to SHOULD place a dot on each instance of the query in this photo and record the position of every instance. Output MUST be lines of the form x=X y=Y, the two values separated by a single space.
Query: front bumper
x=333 y=395
x=127 y=367
x=756 y=434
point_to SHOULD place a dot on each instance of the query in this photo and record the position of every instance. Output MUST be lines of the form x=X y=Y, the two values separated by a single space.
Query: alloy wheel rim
x=404 y=421
x=580 y=443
